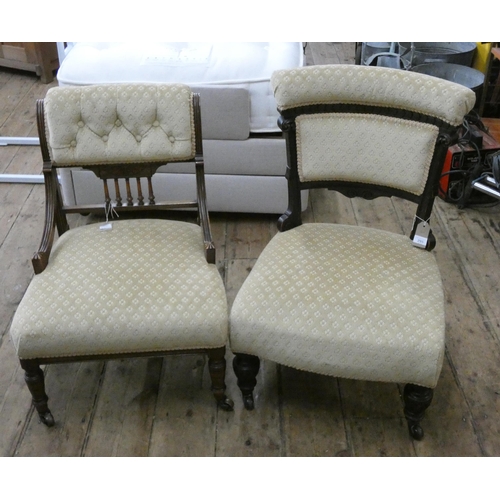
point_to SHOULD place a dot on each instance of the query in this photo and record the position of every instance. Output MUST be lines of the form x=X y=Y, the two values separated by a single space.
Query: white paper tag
x=421 y=235
x=108 y=211
x=106 y=227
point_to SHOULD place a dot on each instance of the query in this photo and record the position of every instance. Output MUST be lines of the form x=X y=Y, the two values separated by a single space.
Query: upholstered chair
x=136 y=284
x=350 y=301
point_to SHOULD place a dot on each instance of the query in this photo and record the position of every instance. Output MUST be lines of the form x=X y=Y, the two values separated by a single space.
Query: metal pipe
x=21 y=179
x=483 y=188
x=21 y=141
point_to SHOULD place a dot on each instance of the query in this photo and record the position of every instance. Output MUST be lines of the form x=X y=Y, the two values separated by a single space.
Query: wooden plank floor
x=163 y=407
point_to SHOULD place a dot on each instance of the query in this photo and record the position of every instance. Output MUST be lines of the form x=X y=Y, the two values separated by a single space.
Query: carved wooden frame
x=55 y=211
x=447 y=135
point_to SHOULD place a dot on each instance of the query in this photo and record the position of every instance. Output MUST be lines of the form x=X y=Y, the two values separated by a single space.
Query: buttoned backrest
x=126 y=123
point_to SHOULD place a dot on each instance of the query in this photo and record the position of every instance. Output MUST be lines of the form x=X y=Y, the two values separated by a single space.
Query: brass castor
x=226 y=404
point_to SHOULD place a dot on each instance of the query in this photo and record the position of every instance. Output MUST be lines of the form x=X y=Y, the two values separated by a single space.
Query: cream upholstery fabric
x=119 y=123
x=341 y=300
x=143 y=286
x=375 y=86
x=389 y=152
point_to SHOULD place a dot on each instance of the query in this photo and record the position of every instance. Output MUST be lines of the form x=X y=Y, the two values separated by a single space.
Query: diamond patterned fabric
x=119 y=123
x=377 y=86
x=143 y=286
x=345 y=301
x=330 y=147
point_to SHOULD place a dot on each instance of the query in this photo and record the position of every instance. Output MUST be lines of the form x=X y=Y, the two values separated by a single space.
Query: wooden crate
x=39 y=57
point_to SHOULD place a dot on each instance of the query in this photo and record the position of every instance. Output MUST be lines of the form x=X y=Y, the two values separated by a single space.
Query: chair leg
x=217 y=370
x=33 y=375
x=246 y=368
x=417 y=399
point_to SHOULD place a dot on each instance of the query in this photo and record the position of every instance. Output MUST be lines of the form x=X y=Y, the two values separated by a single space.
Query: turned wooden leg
x=33 y=375
x=417 y=399
x=217 y=369
x=246 y=368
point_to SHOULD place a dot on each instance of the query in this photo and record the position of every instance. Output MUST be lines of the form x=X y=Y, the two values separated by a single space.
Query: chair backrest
x=122 y=131
x=367 y=131
x=105 y=124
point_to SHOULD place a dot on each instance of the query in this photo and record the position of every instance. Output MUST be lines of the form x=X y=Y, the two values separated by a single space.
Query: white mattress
x=246 y=65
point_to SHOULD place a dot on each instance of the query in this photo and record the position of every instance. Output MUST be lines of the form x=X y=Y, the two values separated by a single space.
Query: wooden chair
x=139 y=285
x=351 y=301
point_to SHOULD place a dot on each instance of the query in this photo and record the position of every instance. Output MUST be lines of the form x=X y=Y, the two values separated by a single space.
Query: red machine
x=462 y=161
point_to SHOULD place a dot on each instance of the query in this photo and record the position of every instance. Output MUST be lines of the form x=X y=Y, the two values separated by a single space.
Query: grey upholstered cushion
x=225 y=112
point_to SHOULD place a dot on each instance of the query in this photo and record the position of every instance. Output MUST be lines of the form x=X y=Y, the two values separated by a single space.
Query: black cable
x=464 y=186
x=474 y=119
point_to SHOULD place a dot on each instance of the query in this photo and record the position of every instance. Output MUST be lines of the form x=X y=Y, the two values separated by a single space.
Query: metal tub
x=437 y=52
x=468 y=77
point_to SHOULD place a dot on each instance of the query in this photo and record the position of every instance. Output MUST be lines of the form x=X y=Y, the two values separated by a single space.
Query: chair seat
x=154 y=291
x=341 y=300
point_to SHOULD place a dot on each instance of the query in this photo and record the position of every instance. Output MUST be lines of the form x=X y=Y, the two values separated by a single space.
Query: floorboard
x=164 y=406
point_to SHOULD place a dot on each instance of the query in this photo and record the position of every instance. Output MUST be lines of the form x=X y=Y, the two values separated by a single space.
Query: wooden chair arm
x=53 y=202
x=41 y=258
x=203 y=213
x=200 y=183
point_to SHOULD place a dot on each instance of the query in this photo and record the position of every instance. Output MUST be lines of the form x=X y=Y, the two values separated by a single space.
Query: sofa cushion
x=225 y=112
x=225 y=193
x=255 y=156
